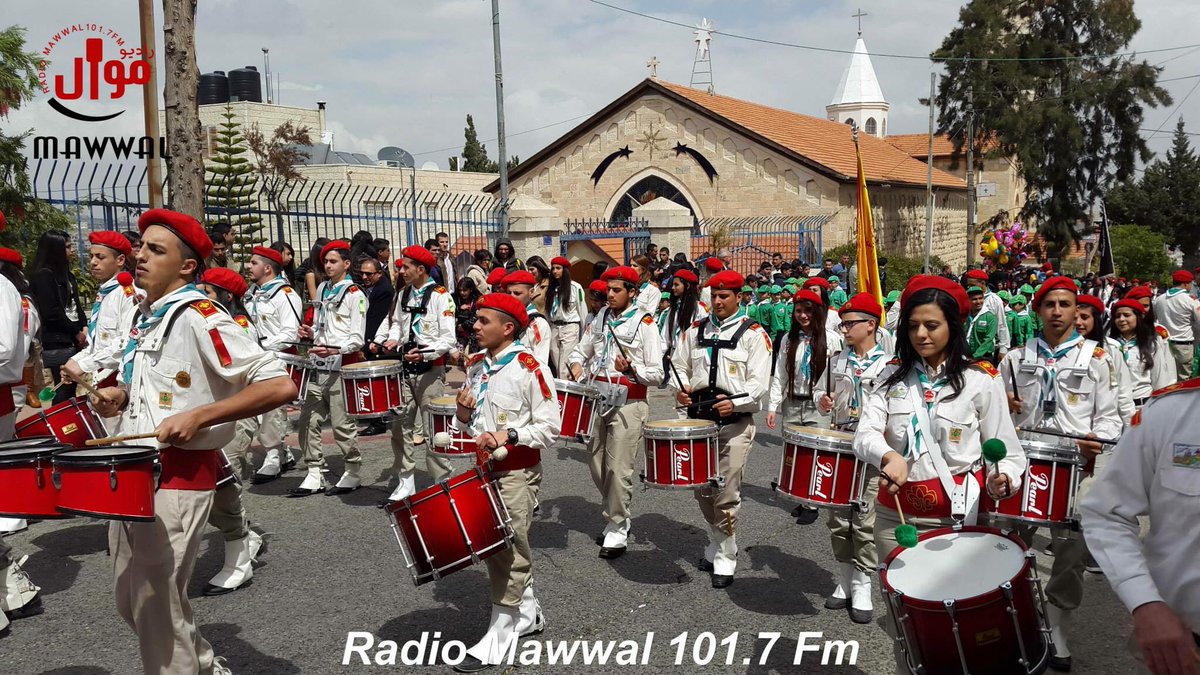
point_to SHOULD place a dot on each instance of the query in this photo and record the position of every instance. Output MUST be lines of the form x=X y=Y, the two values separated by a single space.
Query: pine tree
x=1046 y=89
x=474 y=152
x=1167 y=198
x=229 y=187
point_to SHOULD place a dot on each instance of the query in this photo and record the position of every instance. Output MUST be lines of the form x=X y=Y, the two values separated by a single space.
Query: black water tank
x=214 y=88
x=245 y=84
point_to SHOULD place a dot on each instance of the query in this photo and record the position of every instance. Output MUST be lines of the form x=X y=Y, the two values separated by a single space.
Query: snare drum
x=1048 y=487
x=967 y=600
x=372 y=388
x=115 y=482
x=72 y=422
x=26 y=486
x=451 y=526
x=298 y=370
x=441 y=419
x=577 y=410
x=819 y=468
x=681 y=454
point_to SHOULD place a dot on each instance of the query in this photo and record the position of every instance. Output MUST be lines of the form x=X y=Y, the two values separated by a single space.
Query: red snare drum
x=26 y=487
x=116 y=482
x=372 y=388
x=819 y=468
x=441 y=420
x=71 y=422
x=576 y=407
x=967 y=600
x=451 y=526
x=681 y=454
x=298 y=370
x=1047 y=489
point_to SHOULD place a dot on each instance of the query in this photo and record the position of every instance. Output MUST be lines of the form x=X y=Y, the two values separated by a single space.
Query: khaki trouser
x=852 y=535
x=615 y=445
x=510 y=571
x=325 y=401
x=1183 y=360
x=720 y=506
x=409 y=432
x=563 y=343
x=270 y=430
x=228 y=514
x=804 y=413
x=152 y=565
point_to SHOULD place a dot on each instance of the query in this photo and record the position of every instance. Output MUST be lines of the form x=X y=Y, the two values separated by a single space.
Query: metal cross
x=859 y=16
x=653 y=64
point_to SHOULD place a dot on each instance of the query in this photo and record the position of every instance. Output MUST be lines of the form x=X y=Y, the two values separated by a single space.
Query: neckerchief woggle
x=490 y=368
x=1050 y=372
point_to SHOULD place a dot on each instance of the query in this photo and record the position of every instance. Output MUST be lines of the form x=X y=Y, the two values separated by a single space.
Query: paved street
x=333 y=566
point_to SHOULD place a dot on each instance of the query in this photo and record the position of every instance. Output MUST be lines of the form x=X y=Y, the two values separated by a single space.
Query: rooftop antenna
x=702 y=64
x=267 y=69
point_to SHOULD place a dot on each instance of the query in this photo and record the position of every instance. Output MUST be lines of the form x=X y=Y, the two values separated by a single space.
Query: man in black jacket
x=378 y=288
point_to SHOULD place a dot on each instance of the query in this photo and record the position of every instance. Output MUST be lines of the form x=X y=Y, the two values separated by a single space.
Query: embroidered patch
x=898 y=391
x=733 y=370
x=165 y=399
x=205 y=307
x=1073 y=399
x=1186 y=455
x=448 y=312
x=502 y=418
x=648 y=320
x=956 y=435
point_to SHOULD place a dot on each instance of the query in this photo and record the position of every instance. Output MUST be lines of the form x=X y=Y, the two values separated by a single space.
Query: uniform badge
x=1073 y=399
x=733 y=370
x=898 y=391
x=929 y=395
x=1186 y=455
x=502 y=418
x=956 y=434
x=183 y=379
x=165 y=399
x=853 y=412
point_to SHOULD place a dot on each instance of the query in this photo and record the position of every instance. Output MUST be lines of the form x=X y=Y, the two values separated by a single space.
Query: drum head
x=21 y=450
x=371 y=368
x=1040 y=446
x=679 y=429
x=948 y=565
x=109 y=454
x=444 y=405
x=32 y=441
x=816 y=437
x=573 y=387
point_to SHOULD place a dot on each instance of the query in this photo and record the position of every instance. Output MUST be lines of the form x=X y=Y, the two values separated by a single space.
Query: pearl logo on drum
x=1038 y=483
x=824 y=470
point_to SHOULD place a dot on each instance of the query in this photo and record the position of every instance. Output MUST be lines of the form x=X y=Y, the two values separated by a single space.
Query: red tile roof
x=917 y=145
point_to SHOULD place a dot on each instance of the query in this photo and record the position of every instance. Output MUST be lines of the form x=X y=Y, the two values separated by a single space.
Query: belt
x=1181 y=342
x=926 y=498
x=637 y=392
x=184 y=469
x=802 y=397
x=519 y=457
x=1141 y=401
x=563 y=323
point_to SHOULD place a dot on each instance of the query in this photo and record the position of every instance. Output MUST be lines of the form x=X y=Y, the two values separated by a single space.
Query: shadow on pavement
x=242 y=657
x=52 y=566
x=788 y=593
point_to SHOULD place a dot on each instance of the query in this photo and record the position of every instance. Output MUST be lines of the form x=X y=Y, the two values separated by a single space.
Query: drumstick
x=92 y=390
x=906 y=535
x=1012 y=376
x=117 y=439
x=1075 y=437
x=706 y=404
x=633 y=376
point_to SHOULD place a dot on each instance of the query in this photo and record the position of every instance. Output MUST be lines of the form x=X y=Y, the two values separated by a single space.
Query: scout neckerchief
x=415 y=313
x=858 y=366
x=921 y=440
x=328 y=293
x=613 y=325
x=143 y=328
x=490 y=367
x=1172 y=292
x=740 y=315
x=105 y=288
x=1052 y=357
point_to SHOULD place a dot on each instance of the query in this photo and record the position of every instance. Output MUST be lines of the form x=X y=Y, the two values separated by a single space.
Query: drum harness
x=611 y=395
x=415 y=315
x=319 y=319
x=704 y=400
x=256 y=316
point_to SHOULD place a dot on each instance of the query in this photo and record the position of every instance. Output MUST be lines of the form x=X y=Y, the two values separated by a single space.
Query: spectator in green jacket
x=837 y=294
x=1022 y=326
x=982 y=328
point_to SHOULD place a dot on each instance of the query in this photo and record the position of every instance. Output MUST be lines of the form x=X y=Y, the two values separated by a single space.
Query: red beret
x=182 y=225
x=977 y=274
x=223 y=277
x=338 y=245
x=598 y=286
x=1130 y=304
x=713 y=264
x=864 y=303
x=559 y=260
x=10 y=255
x=1182 y=277
x=1047 y=266
x=1059 y=283
x=503 y=302
x=622 y=273
x=805 y=295
x=421 y=255
x=3 y=221
x=688 y=276
x=495 y=276
x=817 y=281
x=928 y=281
x=518 y=277
x=1138 y=292
x=268 y=253
x=726 y=280
x=1093 y=302
x=114 y=240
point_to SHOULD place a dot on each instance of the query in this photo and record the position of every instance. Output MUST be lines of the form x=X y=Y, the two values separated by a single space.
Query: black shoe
x=797 y=511
x=210 y=590
x=1060 y=663
x=600 y=540
x=375 y=429
x=288 y=465
x=837 y=603
x=304 y=492
x=260 y=478
x=704 y=565
x=861 y=615
x=807 y=516
x=31 y=608
x=611 y=553
x=472 y=665
x=335 y=491
x=722 y=580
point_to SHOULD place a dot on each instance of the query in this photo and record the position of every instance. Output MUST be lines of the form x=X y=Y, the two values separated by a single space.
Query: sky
x=407 y=73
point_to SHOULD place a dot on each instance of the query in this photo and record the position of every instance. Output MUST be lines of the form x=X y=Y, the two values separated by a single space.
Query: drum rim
x=353 y=371
x=58 y=515
x=447 y=410
x=136 y=454
x=76 y=403
x=438 y=488
x=794 y=434
x=19 y=456
x=68 y=512
x=573 y=387
x=1057 y=454
x=681 y=433
x=938 y=604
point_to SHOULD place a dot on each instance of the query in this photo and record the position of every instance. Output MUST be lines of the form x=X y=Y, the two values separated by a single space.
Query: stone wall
x=899 y=215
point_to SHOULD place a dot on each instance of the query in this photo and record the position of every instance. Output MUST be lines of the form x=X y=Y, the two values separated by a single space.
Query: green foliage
x=275 y=160
x=1167 y=198
x=899 y=268
x=475 y=154
x=1072 y=124
x=1139 y=252
x=229 y=187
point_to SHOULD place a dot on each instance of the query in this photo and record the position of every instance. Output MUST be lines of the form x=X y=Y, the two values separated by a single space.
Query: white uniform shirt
x=433 y=331
x=192 y=366
x=118 y=311
x=638 y=334
x=514 y=399
x=746 y=368
x=1178 y=312
x=573 y=314
x=275 y=309
x=648 y=297
x=340 y=319
x=669 y=334
x=12 y=335
x=32 y=323
x=778 y=390
x=1143 y=382
x=1154 y=471
x=537 y=335
x=892 y=320
x=1085 y=390
x=992 y=302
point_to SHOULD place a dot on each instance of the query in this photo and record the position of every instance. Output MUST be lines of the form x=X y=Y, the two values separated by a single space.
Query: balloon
x=1004 y=259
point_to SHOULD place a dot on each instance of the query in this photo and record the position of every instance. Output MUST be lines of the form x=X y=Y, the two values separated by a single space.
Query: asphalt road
x=333 y=567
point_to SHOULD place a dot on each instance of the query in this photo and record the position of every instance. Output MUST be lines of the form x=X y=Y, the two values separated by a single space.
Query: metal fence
x=753 y=240
x=620 y=240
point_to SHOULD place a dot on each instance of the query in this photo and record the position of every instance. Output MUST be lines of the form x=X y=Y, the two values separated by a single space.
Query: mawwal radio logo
x=91 y=62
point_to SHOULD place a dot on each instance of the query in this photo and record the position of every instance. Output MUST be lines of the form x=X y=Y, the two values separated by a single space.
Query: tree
x=1140 y=253
x=275 y=161
x=1045 y=89
x=1167 y=198
x=229 y=186
x=475 y=154
x=185 y=166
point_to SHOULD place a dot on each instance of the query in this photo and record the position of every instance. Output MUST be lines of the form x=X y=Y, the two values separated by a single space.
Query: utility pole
x=150 y=103
x=929 y=181
x=971 y=175
x=503 y=159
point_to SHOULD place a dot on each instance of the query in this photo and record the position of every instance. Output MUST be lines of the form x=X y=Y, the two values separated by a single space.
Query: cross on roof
x=859 y=16
x=653 y=64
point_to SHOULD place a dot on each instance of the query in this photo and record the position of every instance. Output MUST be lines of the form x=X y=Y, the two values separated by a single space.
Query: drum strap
x=415 y=313
x=716 y=344
x=279 y=289
x=963 y=505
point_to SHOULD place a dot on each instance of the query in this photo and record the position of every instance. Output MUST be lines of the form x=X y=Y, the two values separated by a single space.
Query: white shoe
x=18 y=589
x=861 y=609
x=840 y=597
x=219 y=667
x=313 y=483
x=239 y=554
x=406 y=487
x=616 y=536
x=502 y=627
x=271 y=467
x=1058 y=619
x=530 y=621
x=12 y=526
x=348 y=482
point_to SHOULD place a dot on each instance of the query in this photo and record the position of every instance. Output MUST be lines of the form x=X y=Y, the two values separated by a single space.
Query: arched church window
x=871 y=127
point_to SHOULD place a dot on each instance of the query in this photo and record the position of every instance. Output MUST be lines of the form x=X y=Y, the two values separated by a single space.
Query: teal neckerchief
x=490 y=368
x=1052 y=356
x=144 y=327
x=717 y=323
x=858 y=367
x=105 y=288
x=929 y=392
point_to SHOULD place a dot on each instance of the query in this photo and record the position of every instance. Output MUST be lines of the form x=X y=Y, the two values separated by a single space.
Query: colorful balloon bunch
x=1004 y=247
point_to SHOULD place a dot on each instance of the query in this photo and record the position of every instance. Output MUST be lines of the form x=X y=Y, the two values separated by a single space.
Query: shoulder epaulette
x=440 y=289
x=1187 y=385
x=696 y=324
x=286 y=289
x=128 y=291
x=242 y=321
x=24 y=302
x=987 y=367
x=352 y=288
x=894 y=362
x=648 y=320
x=529 y=361
x=476 y=358
x=1162 y=332
x=206 y=308
x=1098 y=353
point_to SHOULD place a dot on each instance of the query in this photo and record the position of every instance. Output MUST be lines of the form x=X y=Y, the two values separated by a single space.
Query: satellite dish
x=396 y=156
x=430 y=166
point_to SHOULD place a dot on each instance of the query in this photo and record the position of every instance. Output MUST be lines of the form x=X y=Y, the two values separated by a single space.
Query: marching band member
x=11 y=263
x=113 y=312
x=275 y=309
x=724 y=356
x=979 y=279
x=494 y=278
x=186 y=373
x=804 y=351
x=513 y=405
x=685 y=310
x=597 y=300
x=567 y=308
x=339 y=320
x=537 y=337
x=621 y=347
x=1155 y=472
x=1066 y=384
x=855 y=371
x=1145 y=295
x=422 y=329
x=1150 y=365
x=1089 y=322
x=1179 y=313
x=648 y=291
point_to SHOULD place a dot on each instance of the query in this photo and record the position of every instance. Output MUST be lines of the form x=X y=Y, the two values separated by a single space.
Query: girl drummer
x=1089 y=322
x=804 y=352
x=1134 y=339
x=685 y=309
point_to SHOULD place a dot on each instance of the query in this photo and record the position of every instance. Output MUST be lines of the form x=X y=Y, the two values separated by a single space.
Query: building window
x=377 y=210
x=871 y=126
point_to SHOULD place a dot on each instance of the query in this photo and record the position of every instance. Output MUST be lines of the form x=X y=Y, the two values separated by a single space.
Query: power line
x=492 y=140
x=916 y=57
